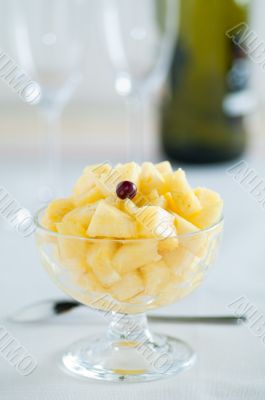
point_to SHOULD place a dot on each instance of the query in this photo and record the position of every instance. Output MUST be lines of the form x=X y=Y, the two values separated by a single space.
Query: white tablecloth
x=231 y=360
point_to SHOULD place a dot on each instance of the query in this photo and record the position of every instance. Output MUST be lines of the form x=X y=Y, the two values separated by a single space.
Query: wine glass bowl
x=47 y=38
x=139 y=37
x=139 y=41
x=143 y=274
x=47 y=41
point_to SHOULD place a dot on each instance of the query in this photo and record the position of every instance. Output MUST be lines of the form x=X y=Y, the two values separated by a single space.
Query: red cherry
x=126 y=189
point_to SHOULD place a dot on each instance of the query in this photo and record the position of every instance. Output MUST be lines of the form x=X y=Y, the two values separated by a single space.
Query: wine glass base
x=132 y=361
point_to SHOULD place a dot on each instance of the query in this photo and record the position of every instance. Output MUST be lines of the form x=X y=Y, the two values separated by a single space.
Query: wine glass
x=128 y=351
x=47 y=39
x=140 y=36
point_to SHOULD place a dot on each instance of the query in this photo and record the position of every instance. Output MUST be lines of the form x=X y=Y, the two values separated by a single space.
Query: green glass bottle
x=203 y=109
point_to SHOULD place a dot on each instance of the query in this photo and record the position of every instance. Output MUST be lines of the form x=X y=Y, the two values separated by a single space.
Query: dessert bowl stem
x=128 y=352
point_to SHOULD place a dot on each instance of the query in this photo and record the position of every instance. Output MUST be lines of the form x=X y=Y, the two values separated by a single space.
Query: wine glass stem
x=136 y=128
x=50 y=153
x=129 y=328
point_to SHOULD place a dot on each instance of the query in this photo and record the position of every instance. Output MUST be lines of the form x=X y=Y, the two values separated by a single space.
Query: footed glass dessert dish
x=130 y=239
x=124 y=278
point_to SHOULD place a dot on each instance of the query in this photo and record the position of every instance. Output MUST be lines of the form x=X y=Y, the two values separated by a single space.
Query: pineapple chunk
x=71 y=228
x=76 y=266
x=212 y=206
x=80 y=215
x=166 y=245
x=129 y=172
x=151 y=178
x=186 y=202
x=181 y=260
x=129 y=207
x=197 y=242
x=97 y=169
x=154 y=275
x=89 y=197
x=183 y=226
x=155 y=222
x=164 y=168
x=99 y=257
x=170 y=204
x=55 y=212
x=134 y=255
x=129 y=286
x=115 y=201
x=88 y=281
x=108 y=221
x=87 y=181
x=71 y=250
x=108 y=182
x=174 y=290
x=83 y=184
x=168 y=294
x=155 y=199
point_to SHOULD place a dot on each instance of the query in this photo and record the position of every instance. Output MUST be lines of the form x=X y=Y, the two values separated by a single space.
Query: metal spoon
x=46 y=309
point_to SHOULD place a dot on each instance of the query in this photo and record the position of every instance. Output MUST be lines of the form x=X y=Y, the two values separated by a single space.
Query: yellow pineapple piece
x=83 y=184
x=81 y=215
x=152 y=221
x=97 y=169
x=183 y=226
x=55 y=212
x=115 y=201
x=181 y=261
x=129 y=286
x=131 y=256
x=214 y=238
x=89 y=197
x=168 y=244
x=155 y=199
x=89 y=281
x=76 y=266
x=185 y=201
x=72 y=251
x=155 y=275
x=170 y=203
x=108 y=221
x=150 y=179
x=99 y=257
x=129 y=172
x=168 y=294
x=129 y=207
x=156 y=222
x=71 y=228
x=197 y=242
x=108 y=182
x=87 y=180
x=164 y=168
x=174 y=290
x=212 y=207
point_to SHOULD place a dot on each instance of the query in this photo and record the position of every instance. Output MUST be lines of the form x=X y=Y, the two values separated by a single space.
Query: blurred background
x=94 y=118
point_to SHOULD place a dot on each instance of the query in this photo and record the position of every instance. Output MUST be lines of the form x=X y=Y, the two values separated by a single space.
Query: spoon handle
x=61 y=307
x=211 y=319
x=46 y=309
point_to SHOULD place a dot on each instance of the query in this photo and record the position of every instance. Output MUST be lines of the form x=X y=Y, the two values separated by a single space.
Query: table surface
x=231 y=359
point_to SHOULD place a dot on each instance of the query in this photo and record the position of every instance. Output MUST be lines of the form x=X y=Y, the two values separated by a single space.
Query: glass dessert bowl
x=123 y=279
